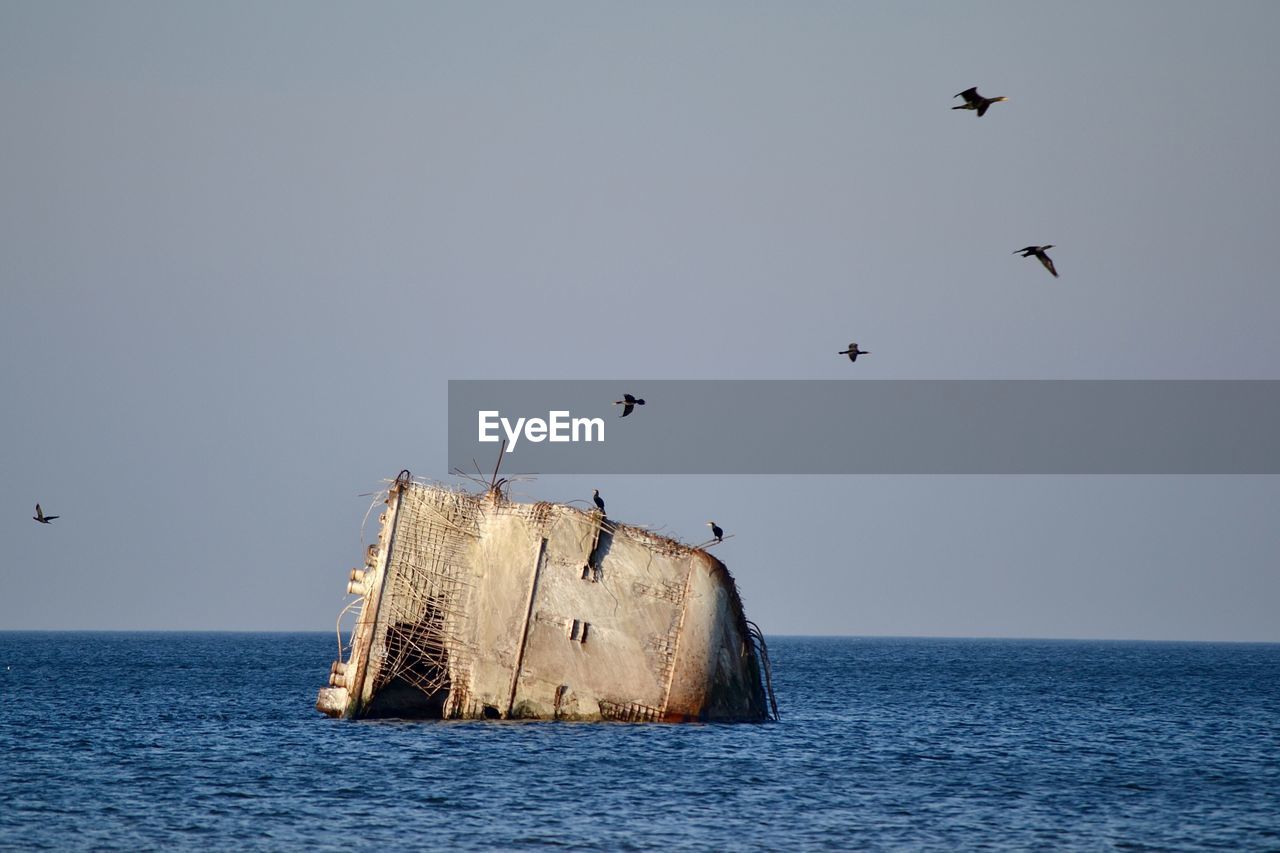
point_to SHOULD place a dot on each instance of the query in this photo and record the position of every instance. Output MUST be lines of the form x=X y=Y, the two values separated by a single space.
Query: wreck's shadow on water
x=182 y=740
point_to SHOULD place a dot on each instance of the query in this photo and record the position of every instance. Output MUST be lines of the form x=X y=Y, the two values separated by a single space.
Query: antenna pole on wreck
x=493 y=481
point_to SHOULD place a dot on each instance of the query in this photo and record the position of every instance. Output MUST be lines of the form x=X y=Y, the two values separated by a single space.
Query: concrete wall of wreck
x=715 y=674
x=503 y=568
x=560 y=616
x=599 y=638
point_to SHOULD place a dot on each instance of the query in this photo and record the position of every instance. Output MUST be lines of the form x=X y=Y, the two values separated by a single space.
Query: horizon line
x=777 y=636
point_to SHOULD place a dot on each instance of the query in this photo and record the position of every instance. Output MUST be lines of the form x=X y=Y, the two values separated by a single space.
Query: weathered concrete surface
x=473 y=607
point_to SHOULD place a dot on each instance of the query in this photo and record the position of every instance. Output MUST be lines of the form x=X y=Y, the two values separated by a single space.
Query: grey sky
x=243 y=246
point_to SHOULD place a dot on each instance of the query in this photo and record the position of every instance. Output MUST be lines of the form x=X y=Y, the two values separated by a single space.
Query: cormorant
x=974 y=101
x=41 y=517
x=595 y=496
x=628 y=403
x=1038 y=252
x=853 y=352
x=716 y=531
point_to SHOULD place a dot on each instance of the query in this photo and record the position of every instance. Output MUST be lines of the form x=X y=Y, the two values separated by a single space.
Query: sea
x=171 y=741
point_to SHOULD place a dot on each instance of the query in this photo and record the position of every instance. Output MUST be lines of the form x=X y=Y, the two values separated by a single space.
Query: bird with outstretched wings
x=1038 y=252
x=853 y=352
x=628 y=404
x=974 y=101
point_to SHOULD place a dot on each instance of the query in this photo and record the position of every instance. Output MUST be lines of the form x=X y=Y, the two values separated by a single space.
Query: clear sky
x=244 y=245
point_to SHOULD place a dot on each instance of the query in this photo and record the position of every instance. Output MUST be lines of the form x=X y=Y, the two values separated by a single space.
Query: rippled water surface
x=178 y=740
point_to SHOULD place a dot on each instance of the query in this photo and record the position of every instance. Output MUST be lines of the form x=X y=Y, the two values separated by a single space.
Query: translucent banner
x=867 y=426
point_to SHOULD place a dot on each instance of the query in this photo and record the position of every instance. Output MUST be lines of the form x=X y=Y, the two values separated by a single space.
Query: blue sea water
x=168 y=740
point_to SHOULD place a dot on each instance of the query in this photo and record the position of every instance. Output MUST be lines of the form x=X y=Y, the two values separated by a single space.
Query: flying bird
x=1038 y=253
x=716 y=531
x=974 y=101
x=41 y=517
x=595 y=496
x=628 y=404
x=853 y=352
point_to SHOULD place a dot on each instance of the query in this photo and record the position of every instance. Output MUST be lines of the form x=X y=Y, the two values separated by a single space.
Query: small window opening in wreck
x=586 y=626
x=491 y=713
x=573 y=629
x=586 y=571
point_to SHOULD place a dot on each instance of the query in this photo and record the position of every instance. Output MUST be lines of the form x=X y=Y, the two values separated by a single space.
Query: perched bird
x=974 y=101
x=628 y=404
x=853 y=352
x=41 y=517
x=595 y=496
x=1038 y=252
x=716 y=531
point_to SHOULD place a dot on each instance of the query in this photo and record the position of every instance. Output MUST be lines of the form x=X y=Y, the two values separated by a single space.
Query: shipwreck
x=473 y=606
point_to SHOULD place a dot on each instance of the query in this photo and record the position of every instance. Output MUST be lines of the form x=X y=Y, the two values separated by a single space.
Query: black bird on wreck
x=595 y=496
x=716 y=531
x=853 y=352
x=1038 y=252
x=628 y=404
x=41 y=517
x=974 y=101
